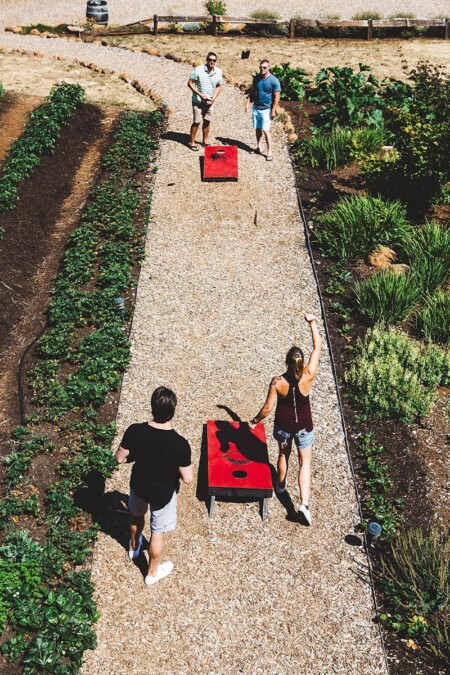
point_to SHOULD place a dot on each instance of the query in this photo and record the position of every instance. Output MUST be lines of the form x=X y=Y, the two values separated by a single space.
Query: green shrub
x=433 y=320
x=294 y=81
x=402 y=15
x=416 y=580
x=387 y=297
x=265 y=14
x=365 y=16
x=348 y=99
x=216 y=7
x=392 y=377
x=358 y=224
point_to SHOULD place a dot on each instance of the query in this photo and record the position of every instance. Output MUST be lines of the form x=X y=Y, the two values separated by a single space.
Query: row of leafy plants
x=46 y=604
x=39 y=137
x=395 y=137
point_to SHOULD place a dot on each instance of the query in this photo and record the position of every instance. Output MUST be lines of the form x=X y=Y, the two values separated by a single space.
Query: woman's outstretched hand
x=310 y=317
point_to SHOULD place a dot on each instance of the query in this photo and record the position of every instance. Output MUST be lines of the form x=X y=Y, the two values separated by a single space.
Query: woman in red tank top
x=293 y=421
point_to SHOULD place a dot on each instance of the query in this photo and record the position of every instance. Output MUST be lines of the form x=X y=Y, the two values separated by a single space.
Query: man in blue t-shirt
x=265 y=94
x=160 y=458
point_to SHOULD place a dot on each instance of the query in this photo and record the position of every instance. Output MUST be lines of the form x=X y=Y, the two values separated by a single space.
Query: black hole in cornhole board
x=239 y=474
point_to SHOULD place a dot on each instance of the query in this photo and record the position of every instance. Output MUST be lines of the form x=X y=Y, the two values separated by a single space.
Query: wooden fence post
x=369 y=29
x=447 y=29
x=214 y=25
x=155 y=24
x=292 y=28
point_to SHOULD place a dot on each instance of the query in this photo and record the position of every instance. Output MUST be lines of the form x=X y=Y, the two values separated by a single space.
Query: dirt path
x=13 y=119
x=220 y=299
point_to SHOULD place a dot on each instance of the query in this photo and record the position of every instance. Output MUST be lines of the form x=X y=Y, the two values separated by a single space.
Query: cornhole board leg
x=264 y=509
x=212 y=505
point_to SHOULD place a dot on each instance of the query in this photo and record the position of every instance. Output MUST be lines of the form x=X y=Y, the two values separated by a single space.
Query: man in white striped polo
x=205 y=82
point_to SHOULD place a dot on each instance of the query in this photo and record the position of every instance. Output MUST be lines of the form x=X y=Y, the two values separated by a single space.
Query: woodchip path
x=221 y=298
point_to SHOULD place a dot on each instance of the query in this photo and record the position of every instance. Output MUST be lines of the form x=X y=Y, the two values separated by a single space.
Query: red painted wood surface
x=220 y=163
x=238 y=462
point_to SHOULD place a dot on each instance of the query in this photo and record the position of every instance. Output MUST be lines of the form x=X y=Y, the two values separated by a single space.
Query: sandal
x=193 y=147
x=269 y=158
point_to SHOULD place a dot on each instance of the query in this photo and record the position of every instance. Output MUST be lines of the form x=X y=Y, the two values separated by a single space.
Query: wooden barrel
x=97 y=10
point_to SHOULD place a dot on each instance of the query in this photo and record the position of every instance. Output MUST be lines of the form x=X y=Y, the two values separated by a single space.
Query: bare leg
x=268 y=137
x=258 y=138
x=194 y=129
x=205 y=131
x=283 y=461
x=136 y=527
x=155 y=551
x=304 y=474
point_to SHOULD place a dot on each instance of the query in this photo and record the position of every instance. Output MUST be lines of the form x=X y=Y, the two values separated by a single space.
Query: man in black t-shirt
x=161 y=456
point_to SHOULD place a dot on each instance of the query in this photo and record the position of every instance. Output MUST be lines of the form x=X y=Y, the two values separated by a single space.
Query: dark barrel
x=98 y=11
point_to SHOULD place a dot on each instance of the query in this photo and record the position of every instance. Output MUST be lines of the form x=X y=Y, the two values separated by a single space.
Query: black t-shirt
x=157 y=454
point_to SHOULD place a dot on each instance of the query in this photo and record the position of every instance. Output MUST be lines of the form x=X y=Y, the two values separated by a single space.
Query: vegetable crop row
x=45 y=601
x=39 y=137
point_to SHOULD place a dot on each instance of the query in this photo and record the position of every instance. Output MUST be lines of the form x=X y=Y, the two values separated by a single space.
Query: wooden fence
x=292 y=24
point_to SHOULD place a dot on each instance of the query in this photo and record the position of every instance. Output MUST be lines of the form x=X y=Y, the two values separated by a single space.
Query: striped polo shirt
x=205 y=81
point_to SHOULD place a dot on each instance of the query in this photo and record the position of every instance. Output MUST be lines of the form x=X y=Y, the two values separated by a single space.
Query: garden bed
x=414 y=453
x=35 y=236
x=53 y=479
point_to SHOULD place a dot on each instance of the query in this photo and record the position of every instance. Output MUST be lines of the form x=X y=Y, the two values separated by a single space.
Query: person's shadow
x=110 y=512
x=176 y=137
x=239 y=144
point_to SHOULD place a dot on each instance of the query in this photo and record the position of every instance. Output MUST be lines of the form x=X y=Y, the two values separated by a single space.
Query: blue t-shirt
x=265 y=87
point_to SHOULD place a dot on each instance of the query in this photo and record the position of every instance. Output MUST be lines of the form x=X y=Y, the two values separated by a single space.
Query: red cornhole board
x=238 y=462
x=220 y=163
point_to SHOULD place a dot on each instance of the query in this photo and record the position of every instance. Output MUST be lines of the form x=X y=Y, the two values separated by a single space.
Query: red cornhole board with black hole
x=238 y=463
x=220 y=163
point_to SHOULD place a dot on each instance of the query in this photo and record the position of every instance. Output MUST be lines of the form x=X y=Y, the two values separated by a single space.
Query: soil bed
x=32 y=246
x=414 y=453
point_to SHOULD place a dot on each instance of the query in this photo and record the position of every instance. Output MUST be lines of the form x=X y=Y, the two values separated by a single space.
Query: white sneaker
x=304 y=515
x=133 y=553
x=164 y=569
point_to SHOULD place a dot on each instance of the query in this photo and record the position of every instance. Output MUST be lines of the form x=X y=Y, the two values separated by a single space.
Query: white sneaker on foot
x=164 y=569
x=304 y=515
x=133 y=553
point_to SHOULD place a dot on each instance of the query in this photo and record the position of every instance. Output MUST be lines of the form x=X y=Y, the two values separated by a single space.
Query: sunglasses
x=212 y=60
x=264 y=67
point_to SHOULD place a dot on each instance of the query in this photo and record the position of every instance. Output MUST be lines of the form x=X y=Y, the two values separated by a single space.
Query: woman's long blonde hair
x=295 y=362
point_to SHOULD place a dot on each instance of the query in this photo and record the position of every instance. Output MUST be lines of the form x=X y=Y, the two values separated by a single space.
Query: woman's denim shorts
x=302 y=439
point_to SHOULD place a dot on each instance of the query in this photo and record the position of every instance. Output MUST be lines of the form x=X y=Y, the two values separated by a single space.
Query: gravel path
x=23 y=12
x=220 y=299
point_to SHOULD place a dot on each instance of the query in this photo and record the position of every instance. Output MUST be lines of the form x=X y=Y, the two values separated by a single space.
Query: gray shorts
x=202 y=111
x=161 y=520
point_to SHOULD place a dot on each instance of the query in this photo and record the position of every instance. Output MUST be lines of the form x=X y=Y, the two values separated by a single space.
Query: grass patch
x=359 y=224
x=387 y=297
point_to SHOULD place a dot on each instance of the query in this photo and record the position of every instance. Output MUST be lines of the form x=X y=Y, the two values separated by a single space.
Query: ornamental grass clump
x=427 y=250
x=416 y=584
x=387 y=297
x=358 y=224
x=393 y=377
x=433 y=321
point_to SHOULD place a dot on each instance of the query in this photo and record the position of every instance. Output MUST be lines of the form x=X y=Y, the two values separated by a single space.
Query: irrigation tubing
x=341 y=410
